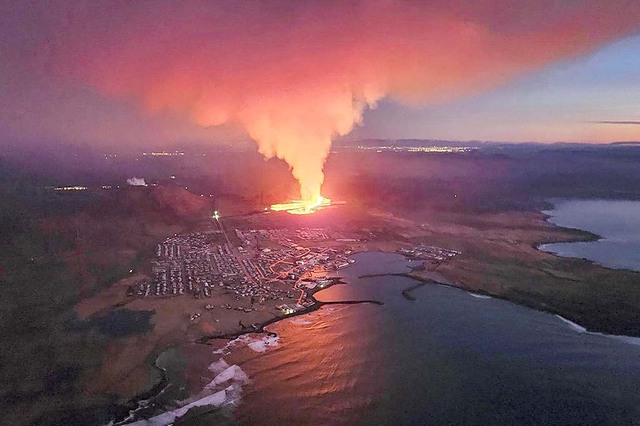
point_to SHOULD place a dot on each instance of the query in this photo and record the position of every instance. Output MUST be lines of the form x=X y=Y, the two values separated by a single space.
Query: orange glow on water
x=302 y=206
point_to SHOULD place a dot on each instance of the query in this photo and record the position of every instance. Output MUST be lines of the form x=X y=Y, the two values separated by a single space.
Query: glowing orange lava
x=302 y=206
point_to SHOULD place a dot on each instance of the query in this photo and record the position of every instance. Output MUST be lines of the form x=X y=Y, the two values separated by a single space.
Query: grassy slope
x=500 y=258
x=49 y=262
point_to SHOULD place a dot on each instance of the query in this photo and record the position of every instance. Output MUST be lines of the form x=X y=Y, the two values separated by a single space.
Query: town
x=268 y=264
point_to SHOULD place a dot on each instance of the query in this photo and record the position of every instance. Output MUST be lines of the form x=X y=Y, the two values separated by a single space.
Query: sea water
x=616 y=222
x=445 y=358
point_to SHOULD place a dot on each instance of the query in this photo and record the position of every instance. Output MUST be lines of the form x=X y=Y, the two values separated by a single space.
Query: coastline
x=632 y=340
x=522 y=299
x=578 y=289
x=293 y=337
x=406 y=292
x=260 y=328
x=144 y=399
x=582 y=236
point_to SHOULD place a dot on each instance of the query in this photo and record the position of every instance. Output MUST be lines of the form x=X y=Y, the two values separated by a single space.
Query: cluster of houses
x=269 y=265
x=258 y=269
x=190 y=263
x=432 y=255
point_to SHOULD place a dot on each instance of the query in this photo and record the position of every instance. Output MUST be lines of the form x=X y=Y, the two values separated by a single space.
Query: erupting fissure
x=302 y=206
x=295 y=75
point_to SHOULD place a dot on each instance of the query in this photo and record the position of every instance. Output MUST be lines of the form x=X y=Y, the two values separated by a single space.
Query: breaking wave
x=480 y=296
x=263 y=344
x=580 y=329
x=225 y=389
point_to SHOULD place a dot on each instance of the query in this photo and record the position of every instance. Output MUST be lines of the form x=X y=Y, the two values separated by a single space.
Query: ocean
x=616 y=221
x=449 y=357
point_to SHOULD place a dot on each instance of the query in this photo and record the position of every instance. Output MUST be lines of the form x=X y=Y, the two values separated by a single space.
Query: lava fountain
x=295 y=75
x=302 y=206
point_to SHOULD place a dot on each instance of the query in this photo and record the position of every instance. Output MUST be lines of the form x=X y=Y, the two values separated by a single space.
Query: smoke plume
x=296 y=74
x=134 y=181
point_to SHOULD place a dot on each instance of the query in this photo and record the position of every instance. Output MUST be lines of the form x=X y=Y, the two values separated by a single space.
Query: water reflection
x=317 y=376
x=447 y=358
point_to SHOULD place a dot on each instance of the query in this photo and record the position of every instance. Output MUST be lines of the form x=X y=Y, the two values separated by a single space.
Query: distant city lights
x=429 y=149
x=163 y=153
x=70 y=188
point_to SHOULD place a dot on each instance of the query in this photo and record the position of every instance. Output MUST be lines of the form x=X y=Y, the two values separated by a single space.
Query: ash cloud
x=296 y=74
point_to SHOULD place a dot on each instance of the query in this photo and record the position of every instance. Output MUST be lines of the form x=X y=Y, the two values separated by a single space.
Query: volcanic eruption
x=302 y=206
x=294 y=75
